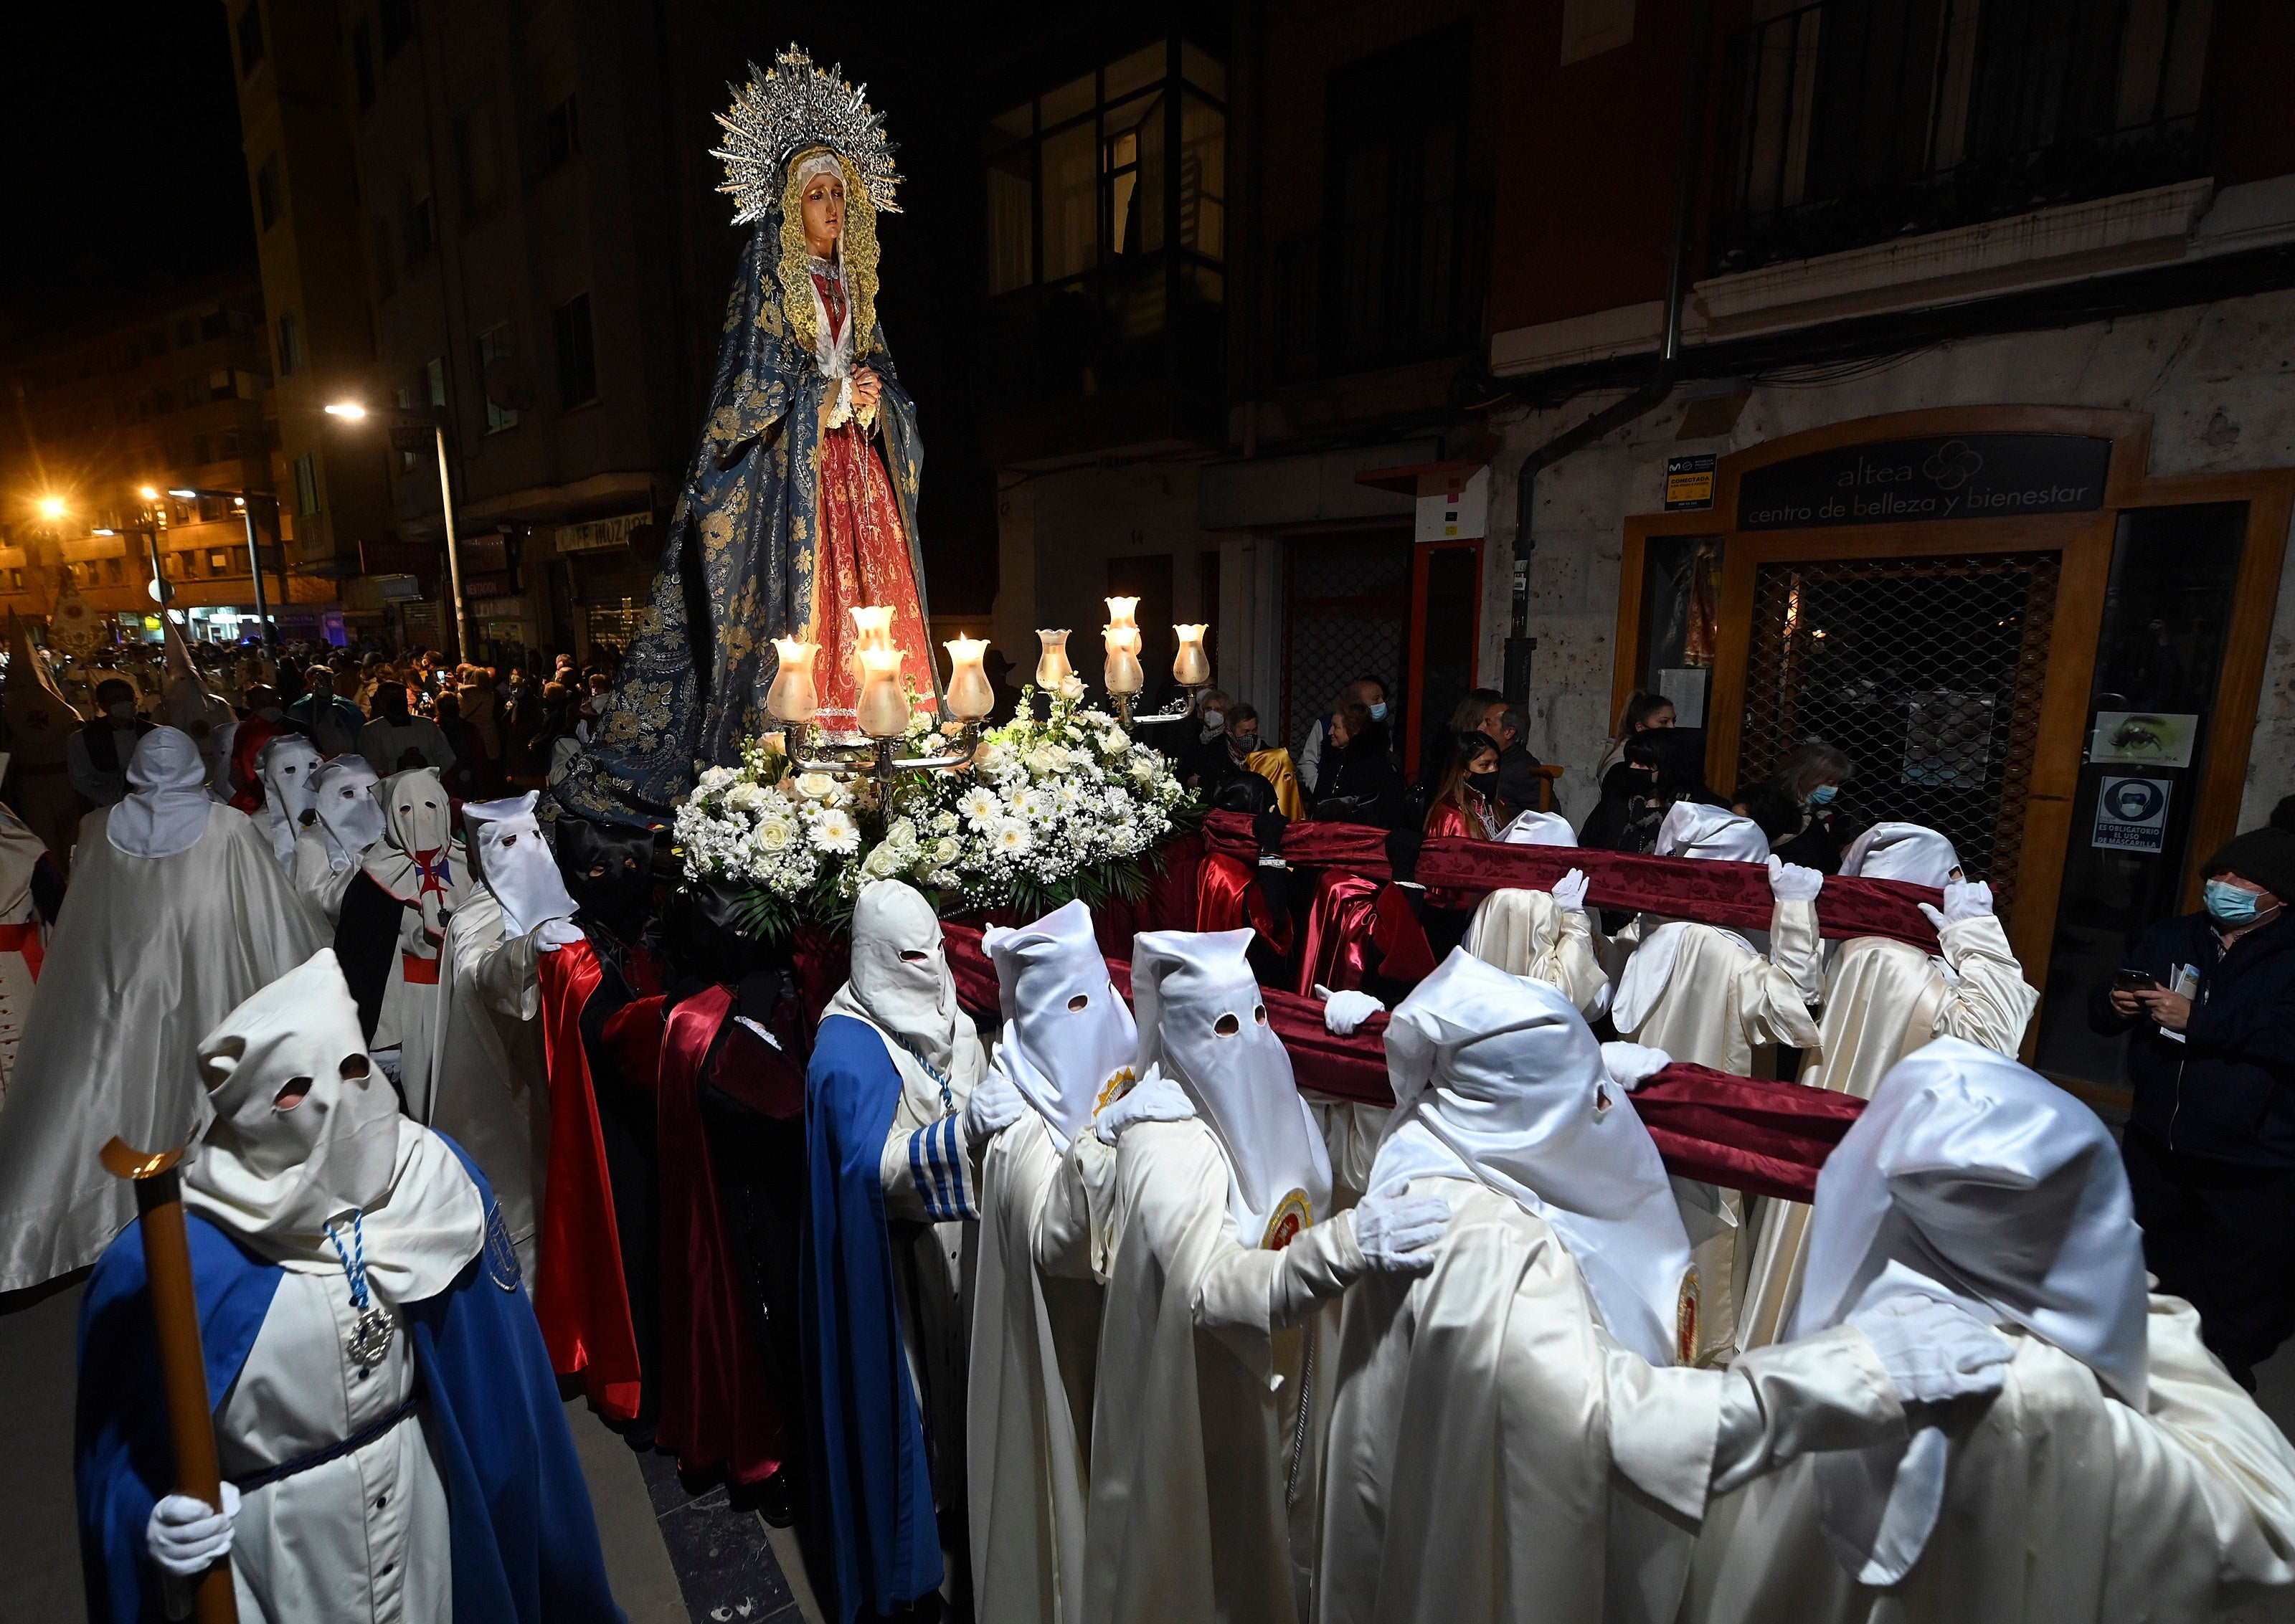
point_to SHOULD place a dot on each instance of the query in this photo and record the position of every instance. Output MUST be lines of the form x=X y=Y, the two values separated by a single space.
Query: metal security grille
x=1927 y=672
x=1347 y=615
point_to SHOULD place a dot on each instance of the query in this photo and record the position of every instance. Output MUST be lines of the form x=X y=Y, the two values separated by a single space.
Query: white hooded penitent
x=1069 y=1039
x=516 y=866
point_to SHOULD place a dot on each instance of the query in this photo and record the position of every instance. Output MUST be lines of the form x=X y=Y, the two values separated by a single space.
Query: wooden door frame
x=1414 y=657
x=2085 y=542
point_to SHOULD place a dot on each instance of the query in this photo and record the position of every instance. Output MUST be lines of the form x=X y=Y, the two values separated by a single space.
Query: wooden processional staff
x=183 y=1364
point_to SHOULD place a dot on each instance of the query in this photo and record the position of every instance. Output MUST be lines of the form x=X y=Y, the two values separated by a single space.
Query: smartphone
x=2133 y=981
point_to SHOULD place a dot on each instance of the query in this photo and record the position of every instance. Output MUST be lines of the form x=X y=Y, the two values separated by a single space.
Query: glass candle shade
x=1190 y=667
x=792 y=699
x=1052 y=667
x=969 y=696
x=1122 y=674
x=1120 y=611
x=883 y=708
x=872 y=627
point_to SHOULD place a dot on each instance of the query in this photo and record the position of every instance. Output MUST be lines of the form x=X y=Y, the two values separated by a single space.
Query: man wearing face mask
x=397 y=739
x=178 y=912
x=1210 y=1400
x=2208 y=1002
x=1368 y=693
x=1065 y=1050
x=96 y=753
x=893 y=1201
x=391 y=1437
x=333 y=721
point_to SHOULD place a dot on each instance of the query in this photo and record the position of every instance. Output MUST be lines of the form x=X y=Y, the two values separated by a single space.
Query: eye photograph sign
x=1890 y=482
x=2155 y=738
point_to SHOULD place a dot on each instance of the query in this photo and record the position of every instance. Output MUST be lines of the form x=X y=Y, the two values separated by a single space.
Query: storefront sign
x=2152 y=739
x=1975 y=476
x=2131 y=814
x=601 y=535
x=1688 y=483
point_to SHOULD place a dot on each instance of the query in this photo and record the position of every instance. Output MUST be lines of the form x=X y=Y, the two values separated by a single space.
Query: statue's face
x=824 y=214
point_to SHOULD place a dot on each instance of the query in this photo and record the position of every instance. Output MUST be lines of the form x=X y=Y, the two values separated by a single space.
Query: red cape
x=579 y=1295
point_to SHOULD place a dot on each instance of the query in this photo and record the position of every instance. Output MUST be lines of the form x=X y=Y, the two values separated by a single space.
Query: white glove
x=1963 y=900
x=1789 y=882
x=551 y=934
x=1397 y=1233
x=1934 y=1351
x=995 y=1104
x=1570 y=890
x=1154 y=1098
x=1343 y=1012
x=186 y=1537
x=1632 y=1064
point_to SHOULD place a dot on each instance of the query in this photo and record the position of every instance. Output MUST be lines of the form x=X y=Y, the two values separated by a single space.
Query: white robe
x=150 y=953
x=1726 y=1005
x=365 y=1536
x=316 y=875
x=23 y=938
x=2060 y=1506
x=1035 y=1342
x=1496 y=1455
x=1205 y=1440
x=1883 y=999
x=1526 y=932
x=489 y=1092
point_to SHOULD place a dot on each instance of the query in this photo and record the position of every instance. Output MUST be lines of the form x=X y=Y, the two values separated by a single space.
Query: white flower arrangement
x=1047 y=810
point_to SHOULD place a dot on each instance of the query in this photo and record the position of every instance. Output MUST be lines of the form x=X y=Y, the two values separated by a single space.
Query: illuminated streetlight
x=354 y=411
x=185 y=495
x=149 y=495
x=51 y=507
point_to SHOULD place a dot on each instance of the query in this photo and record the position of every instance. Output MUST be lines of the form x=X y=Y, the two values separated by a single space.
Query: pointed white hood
x=514 y=864
x=166 y=811
x=1068 y=1036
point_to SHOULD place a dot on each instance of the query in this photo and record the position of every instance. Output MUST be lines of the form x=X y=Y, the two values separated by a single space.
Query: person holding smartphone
x=2209 y=1000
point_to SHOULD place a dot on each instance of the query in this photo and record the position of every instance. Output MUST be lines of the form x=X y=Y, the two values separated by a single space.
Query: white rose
x=902 y=833
x=774 y=833
x=1114 y=743
x=944 y=823
x=715 y=777
x=1071 y=687
x=882 y=862
x=816 y=786
x=745 y=798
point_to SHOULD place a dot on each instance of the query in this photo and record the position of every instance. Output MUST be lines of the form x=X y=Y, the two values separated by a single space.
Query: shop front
x=2022 y=636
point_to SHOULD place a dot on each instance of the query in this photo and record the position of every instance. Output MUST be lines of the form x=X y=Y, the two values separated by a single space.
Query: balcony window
x=1851 y=122
x=577 y=355
x=496 y=377
x=1398 y=270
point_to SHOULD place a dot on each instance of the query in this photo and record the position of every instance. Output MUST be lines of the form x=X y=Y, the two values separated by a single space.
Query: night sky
x=122 y=125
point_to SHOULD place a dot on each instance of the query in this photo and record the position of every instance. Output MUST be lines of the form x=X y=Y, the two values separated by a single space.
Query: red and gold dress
x=862 y=554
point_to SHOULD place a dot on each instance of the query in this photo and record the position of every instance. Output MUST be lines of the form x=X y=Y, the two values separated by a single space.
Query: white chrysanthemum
x=834 y=830
x=980 y=806
x=1069 y=794
x=1032 y=803
x=1010 y=837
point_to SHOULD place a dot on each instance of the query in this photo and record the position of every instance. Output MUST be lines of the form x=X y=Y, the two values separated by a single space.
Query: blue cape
x=524 y=1543
x=871 y=1477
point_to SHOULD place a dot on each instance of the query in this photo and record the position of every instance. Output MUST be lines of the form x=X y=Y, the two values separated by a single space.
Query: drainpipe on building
x=1646 y=398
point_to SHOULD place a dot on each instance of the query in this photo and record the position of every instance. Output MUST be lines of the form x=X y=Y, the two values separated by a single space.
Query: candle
x=969 y=696
x=1189 y=667
x=883 y=708
x=1122 y=674
x=792 y=699
x=1052 y=667
x=1120 y=611
x=873 y=627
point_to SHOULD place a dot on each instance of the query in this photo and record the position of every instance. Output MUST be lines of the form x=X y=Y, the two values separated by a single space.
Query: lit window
x=497 y=377
x=307 y=485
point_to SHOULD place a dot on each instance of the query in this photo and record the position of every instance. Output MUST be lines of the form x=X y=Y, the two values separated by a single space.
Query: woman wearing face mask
x=1796 y=807
x=1359 y=784
x=1466 y=804
x=2208 y=1001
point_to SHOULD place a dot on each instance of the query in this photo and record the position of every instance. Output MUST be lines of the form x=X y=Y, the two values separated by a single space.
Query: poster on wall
x=2131 y=814
x=2156 y=738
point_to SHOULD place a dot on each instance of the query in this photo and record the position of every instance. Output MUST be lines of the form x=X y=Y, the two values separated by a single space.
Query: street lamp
x=254 y=551
x=353 y=411
x=51 y=508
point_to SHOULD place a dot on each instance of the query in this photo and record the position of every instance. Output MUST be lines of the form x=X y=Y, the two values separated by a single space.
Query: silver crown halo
x=789 y=106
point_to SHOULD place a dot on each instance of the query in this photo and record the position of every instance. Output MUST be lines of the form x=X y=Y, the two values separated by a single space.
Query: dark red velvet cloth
x=1735 y=895
x=579 y=1294
x=717 y=1407
x=1334 y=949
x=1767 y=1139
x=1226 y=899
x=633 y=1037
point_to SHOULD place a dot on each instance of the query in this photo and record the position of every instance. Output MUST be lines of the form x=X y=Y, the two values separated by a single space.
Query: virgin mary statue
x=801 y=503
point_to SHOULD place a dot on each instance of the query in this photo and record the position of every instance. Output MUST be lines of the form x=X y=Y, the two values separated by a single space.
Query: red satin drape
x=717 y=1406
x=579 y=1295
x=1735 y=895
x=1765 y=1137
